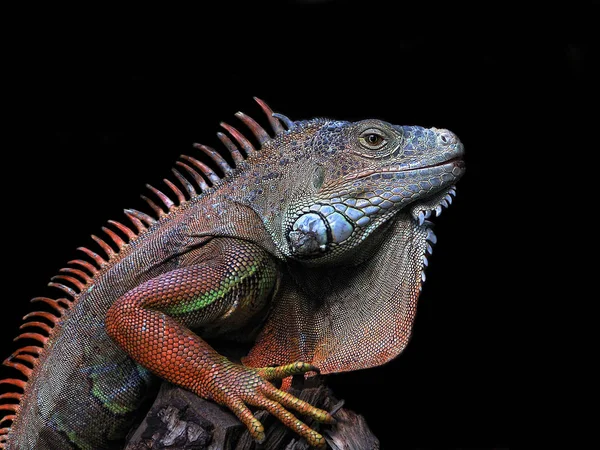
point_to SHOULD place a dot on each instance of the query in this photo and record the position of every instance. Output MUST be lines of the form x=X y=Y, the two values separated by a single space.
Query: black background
x=102 y=102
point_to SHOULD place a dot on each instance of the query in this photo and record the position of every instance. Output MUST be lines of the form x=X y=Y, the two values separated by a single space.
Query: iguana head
x=361 y=174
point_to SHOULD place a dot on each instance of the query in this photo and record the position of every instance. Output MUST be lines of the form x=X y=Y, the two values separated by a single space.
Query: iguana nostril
x=447 y=137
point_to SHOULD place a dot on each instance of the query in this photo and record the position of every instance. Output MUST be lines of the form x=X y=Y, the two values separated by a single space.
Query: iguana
x=308 y=241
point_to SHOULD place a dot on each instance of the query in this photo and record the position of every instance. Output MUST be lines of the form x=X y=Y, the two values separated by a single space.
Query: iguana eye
x=372 y=139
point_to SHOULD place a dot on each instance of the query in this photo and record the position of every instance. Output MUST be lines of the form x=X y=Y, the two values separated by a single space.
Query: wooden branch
x=181 y=420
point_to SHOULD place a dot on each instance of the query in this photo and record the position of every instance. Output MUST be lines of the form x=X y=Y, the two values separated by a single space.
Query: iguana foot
x=239 y=386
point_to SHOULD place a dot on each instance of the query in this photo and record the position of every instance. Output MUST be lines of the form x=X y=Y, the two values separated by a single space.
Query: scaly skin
x=290 y=250
x=168 y=306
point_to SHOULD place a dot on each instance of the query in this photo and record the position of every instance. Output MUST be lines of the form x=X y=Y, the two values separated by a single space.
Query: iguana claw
x=249 y=386
x=279 y=372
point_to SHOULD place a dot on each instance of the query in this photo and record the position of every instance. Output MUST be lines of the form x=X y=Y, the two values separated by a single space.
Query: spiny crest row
x=75 y=280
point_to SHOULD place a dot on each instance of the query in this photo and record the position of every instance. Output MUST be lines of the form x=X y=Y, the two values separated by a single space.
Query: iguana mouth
x=455 y=157
x=455 y=161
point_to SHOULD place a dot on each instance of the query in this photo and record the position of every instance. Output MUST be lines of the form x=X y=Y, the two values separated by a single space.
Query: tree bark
x=180 y=420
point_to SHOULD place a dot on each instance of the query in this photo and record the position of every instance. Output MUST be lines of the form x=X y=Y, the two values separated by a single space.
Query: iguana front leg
x=232 y=280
